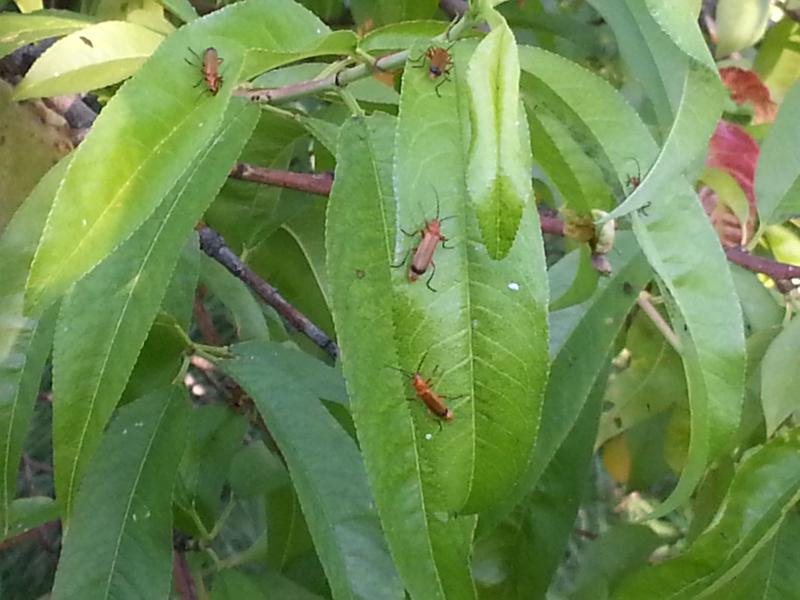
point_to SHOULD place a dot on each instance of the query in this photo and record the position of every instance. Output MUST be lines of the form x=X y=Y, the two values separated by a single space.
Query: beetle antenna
x=422 y=360
x=638 y=168
x=403 y=371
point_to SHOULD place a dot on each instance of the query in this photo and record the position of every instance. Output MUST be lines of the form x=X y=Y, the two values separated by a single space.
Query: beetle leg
x=433 y=272
x=445 y=77
x=402 y=262
x=408 y=233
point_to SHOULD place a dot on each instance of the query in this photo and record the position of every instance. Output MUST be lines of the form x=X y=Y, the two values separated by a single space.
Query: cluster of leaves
x=310 y=479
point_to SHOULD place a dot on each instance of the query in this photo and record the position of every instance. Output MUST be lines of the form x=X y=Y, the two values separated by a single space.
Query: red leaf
x=746 y=86
x=733 y=150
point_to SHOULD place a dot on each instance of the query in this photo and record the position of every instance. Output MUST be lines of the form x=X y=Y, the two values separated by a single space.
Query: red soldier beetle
x=430 y=236
x=209 y=65
x=440 y=62
x=424 y=391
x=633 y=181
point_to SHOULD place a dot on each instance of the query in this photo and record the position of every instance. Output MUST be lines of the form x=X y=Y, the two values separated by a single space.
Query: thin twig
x=454 y=8
x=792 y=13
x=321 y=184
x=26 y=535
x=551 y=225
x=343 y=77
x=777 y=270
x=213 y=244
x=313 y=183
x=184 y=582
x=644 y=303
x=204 y=321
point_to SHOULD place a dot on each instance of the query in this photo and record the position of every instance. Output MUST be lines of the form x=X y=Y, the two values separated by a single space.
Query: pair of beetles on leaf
x=439 y=64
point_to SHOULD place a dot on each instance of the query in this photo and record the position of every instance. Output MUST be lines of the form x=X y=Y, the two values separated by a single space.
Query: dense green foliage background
x=611 y=323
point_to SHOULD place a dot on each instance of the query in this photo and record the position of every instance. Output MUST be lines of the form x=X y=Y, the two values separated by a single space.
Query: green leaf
x=494 y=361
x=25 y=514
x=766 y=486
x=178 y=300
x=729 y=193
x=759 y=305
x=235 y=295
x=771 y=575
x=740 y=24
x=246 y=212
x=289 y=539
x=26 y=6
x=94 y=57
x=295 y=276
x=382 y=12
x=17 y=30
x=24 y=342
x=151 y=131
x=182 y=9
x=498 y=174
x=621 y=549
x=536 y=533
x=687 y=93
x=779 y=378
x=236 y=585
x=398 y=36
x=581 y=335
x=652 y=382
x=576 y=176
x=216 y=435
x=778 y=60
x=119 y=543
x=777 y=184
x=583 y=285
x=680 y=245
x=360 y=216
x=256 y=471
x=326 y=470
x=96 y=350
x=707 y=318
x=160 y=360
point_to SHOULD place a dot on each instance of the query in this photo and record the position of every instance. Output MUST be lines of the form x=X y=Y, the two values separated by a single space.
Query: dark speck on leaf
x=618 y=422
x=627 y=288
x=360 y=274
x=87 y=41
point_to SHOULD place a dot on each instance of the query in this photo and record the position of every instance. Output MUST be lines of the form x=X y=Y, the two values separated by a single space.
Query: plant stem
x=344 y=76
x=213 y=244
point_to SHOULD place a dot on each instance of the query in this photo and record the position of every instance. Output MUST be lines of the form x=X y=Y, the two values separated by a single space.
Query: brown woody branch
x=36 y=532
x=321 y=185
x=213 y=244
x=777 y=270
x=182 y=577
x=312 y=183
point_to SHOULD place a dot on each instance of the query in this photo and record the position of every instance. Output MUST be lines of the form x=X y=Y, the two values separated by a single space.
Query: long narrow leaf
x=766 y=486
x=686 y=88
x=683 y=250
x=119 y=544
x=151 y=131
x=326 y=469
x=360 y=212
x=24 y=342
x=95 y=350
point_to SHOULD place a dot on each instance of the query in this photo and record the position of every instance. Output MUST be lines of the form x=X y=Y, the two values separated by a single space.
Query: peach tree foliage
x=201 y=441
